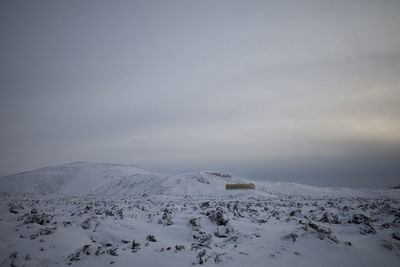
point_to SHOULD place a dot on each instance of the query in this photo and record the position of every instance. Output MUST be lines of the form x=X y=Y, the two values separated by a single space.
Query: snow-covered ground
x=85 y=214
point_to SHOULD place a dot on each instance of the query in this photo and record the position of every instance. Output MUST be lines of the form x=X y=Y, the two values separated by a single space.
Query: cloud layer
x=306 y=92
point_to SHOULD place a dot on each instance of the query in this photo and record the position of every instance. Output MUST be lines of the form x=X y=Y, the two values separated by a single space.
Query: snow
x=83 y=214
x=72 y=178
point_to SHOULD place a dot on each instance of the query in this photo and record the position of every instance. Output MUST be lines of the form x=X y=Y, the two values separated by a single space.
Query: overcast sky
x=303 y=91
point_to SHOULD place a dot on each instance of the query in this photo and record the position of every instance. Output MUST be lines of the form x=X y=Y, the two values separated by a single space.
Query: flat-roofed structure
x=240 y=186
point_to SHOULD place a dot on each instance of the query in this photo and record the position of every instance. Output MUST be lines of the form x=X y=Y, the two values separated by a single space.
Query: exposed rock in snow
x=96 y=214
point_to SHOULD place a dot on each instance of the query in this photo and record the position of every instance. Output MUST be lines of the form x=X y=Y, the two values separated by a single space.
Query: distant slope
x=295 y=189
x=188 y=183
x=103 y=178
x=116 y=179
x=76 y=177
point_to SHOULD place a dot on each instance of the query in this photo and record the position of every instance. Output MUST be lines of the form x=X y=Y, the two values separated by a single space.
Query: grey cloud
x=270 y=89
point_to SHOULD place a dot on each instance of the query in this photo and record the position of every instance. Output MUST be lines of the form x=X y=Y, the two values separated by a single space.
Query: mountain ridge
x=119 y=179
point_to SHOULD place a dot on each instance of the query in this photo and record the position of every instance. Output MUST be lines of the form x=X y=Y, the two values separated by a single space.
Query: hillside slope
x=76 y=177
x=104 y=178
x=116 y=179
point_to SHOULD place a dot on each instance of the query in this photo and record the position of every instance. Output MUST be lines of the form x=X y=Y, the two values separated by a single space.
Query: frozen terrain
x=83 y=214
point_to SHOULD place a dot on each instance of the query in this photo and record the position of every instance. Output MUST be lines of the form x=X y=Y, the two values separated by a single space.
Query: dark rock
x=66 y=223
x=109 y=213
x=151 y=238
x=13 y=260
x=218 y=216
x=205 y=205
x=99 y=251
x=220 y=174
x=14 y=209
x=166 y=219
x=367 y=230
x=179 y=247
x=296 y=213
x=330 y=218
x=202 y=256
x=135 y=246
x=87 y=224
x=76 y=256
x=319 y=229
x=323 y=232
x=43 y=231
x=120 y=213
x=387 y=245
x=85 y=249
x=396 y=236
x=13 y=255
x=113 y=251
x=203 y=240
x=218 y=257
x=194 y=222
x=40 y=219
x=292 y=236
x=236 y=212
x=223 y=231
x=360 y=219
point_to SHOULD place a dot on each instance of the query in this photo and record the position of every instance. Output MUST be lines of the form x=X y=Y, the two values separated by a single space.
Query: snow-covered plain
x=83 y=214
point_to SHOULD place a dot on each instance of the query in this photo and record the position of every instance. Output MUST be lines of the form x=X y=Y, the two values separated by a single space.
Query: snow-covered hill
x=104 y=178
x=76 y=177
x=117 y=179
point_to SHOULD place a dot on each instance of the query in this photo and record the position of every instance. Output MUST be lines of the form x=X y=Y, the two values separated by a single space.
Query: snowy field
x=82 y=214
